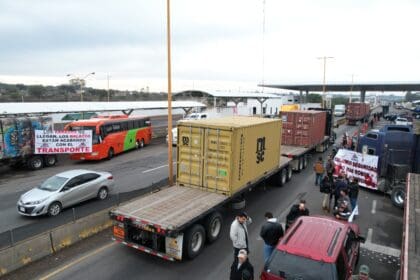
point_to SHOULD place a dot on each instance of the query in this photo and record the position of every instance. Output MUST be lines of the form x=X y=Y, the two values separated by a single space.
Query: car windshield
x=289 y=266
x=53 y=183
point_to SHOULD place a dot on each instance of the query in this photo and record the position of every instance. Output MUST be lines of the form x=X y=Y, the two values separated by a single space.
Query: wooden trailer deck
x=171 y=207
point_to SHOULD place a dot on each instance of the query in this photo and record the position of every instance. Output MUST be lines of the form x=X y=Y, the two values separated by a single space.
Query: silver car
x=63 y=190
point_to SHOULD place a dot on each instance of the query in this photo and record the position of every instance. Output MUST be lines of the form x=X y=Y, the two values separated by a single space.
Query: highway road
x=132 y=170
x=99 y=258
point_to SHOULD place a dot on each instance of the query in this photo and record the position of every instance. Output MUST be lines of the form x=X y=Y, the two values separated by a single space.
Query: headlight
x=35 y=202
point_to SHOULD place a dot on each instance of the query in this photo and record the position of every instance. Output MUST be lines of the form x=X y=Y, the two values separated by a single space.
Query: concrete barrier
x=42 y=245
x=69 y=234
x=24 y=252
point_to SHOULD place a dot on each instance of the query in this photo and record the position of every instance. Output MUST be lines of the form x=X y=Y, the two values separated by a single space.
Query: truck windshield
x=289 y=266
x=53 y=183
x=95 y=137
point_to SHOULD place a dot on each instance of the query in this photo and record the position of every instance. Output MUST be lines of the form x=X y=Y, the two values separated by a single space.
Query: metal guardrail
x=11 y=237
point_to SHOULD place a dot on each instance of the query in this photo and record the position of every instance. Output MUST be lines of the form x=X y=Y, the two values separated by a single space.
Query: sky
x=216 y=45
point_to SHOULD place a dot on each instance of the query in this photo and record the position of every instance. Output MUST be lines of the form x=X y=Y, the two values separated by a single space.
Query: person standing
x=319 y=171
x=330 y=167
x=353 y=191
x=239 y=233
x=327 y=188
x=270 y=232
x=340 y=184
x=363 y=273
x=296 y=211
x=241 y=268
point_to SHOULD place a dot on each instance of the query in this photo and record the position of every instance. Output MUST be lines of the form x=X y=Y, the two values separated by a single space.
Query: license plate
x=22 y=209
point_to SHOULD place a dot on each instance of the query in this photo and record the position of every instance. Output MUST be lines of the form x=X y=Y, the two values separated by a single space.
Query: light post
x=168 y=42
x=324 y=58
x=80 y=82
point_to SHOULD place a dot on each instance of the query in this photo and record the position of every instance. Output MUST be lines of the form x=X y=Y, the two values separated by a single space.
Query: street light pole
x=168 y=39
x=80 y=82
x=351 y=88
x=324 y=58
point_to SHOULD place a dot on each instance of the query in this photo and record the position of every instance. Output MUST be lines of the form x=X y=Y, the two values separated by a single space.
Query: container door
x=190 y=155
x=217 y=160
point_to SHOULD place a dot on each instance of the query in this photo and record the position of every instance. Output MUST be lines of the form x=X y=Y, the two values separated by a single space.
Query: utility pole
x=351 y=88
x=324 y=58
x=168 y=39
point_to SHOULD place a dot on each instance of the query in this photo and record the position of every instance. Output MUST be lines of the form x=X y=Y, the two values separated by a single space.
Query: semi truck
x=339 y=110
x=398 y=151
x=357 y=112
x=17 y=139
x=410 y=256
x=217 y=161
x=304 y=132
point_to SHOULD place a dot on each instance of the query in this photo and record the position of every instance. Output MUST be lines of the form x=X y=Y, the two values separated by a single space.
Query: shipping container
x=218 y=160
x=357 y=112
x=289 y=107
x=226 y=154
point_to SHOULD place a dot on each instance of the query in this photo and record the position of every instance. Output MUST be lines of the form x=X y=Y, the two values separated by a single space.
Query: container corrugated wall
x=357 y=111
x=303 y=128
x=226 y=154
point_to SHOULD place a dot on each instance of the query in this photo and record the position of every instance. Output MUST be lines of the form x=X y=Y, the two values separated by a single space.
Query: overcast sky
x=217 y=44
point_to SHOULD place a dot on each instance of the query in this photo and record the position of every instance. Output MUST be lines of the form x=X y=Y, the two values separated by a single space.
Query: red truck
x=357 y=112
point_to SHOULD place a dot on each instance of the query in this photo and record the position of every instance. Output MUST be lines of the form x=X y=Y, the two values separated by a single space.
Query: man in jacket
x=296 y=211
x=270 y=232
x=330 y=167
x=241 y=269
x=319 y=171
x=340 y=184
x=239 y=233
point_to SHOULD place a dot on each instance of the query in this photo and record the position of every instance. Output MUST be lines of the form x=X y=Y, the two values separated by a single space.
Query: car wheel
x=194 y=241
x=398 y=196
x=213 y=226
x=110 y=153
x=50 y=160
x=35 y=163
x=102 y=193
x=54 y=209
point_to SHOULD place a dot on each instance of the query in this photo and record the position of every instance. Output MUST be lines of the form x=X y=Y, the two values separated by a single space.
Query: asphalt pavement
x=150 y=163
x=99 y=258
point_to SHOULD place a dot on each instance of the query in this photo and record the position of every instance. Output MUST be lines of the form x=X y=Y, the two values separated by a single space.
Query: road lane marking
x=67 y=266
x=369 y=235
x=373 y=206
x=156 y=168
x=381 y=249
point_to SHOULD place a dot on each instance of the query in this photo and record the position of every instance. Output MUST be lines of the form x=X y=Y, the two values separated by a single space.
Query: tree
x=36 y=91
x=314 y=98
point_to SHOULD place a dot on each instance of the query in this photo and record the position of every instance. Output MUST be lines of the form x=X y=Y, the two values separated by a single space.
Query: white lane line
x=373 y=206
x=156 y=168
x=381 y=249
x=369 y=236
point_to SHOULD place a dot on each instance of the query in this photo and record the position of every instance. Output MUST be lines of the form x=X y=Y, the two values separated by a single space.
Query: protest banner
x=63 y=142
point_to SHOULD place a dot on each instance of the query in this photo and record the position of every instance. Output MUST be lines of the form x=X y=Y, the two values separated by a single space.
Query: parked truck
x=217 y=161
x=303 y=132
x=339 y=110
x=17 y=139
x=398 y=150
x=357 y=112
x=410 y=254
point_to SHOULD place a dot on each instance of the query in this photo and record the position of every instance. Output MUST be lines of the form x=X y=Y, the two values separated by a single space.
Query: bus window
x=116 y=127
x=130 y=124
x=124 y=126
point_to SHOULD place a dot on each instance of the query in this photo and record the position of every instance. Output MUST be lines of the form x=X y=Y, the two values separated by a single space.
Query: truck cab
x=395 y=145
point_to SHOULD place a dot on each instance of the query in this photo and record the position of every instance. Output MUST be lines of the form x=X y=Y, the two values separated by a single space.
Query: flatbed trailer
x=410 y=254
x=299 y=154
x=176 y=221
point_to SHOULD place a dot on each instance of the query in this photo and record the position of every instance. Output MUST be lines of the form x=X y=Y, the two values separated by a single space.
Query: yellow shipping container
x=289 y=107
x=225 y=155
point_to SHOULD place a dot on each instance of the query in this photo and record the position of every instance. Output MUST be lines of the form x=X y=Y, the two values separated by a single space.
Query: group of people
x=271 y=232
x=344 y=189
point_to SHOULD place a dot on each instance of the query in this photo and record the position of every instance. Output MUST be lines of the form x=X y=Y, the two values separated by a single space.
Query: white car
x=401 y=121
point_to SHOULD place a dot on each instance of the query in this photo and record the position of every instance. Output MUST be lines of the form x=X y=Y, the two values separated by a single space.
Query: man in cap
x=241 y=269
x=363 y=273
x=239 y=233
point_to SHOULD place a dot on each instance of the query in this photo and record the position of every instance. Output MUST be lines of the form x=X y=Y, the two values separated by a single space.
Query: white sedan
x=401 y=121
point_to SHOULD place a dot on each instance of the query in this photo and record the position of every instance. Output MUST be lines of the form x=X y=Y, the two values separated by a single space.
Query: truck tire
x=289 y=173
x=50 y=160
x=282 y=177
x=110 y=153
x=300 y=164
x=398 y=196
x=35 y=162
x=213 y=225
x=194 y=241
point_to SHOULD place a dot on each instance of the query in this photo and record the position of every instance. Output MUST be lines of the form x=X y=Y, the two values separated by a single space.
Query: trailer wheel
x=194 y=241
x=213 y=225
x=35 y=162
x=289 y=173
x=398 y=196
x=50 y=160
x=282 y=177
x=300 y=164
